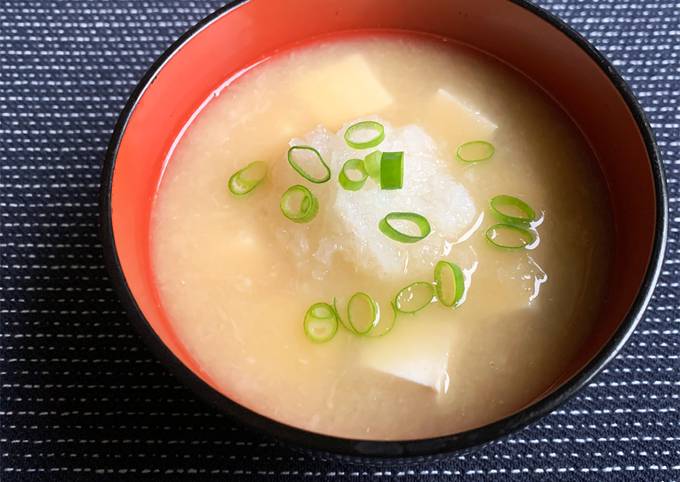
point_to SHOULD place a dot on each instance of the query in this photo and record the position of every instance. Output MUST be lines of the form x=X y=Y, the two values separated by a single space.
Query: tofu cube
x=453 y=120
x=342 y=90
x=413 y=351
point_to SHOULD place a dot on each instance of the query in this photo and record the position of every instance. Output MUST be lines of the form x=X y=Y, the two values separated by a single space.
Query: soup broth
x=236 y=276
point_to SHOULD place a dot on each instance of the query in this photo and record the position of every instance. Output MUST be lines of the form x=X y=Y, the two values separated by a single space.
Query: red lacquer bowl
x=522 y=35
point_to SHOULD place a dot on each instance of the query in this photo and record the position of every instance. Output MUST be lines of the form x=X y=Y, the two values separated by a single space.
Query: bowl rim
x=401 y=450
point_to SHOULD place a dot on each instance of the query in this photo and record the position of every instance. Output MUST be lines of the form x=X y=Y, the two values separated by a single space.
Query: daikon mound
x=347 y=223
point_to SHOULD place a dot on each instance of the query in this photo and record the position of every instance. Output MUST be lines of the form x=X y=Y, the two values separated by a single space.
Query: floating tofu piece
x=520 y=283
x=451 y=119
x=413 y=351
x=342 y=90
x=517 y=284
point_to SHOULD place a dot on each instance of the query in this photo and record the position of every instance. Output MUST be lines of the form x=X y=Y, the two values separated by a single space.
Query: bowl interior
x=231 y=42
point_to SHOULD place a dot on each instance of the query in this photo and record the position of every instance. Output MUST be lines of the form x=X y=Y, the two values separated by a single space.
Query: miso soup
x=382 y=237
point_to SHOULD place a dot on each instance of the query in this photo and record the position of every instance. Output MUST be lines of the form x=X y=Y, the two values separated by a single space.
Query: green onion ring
x=525 y=236
x=488 y=154
x=409 y=294
x=239 y=183
x=458 y=283
x=300 y=170
x=372 y=165
x=321 y=323
x=337 y=313
x=420 y=221
x=309 y=204
x=382 y=329
x=503 y=200
x=351 y=184
x=392 y=170
x=375 y=312
x=377 y=127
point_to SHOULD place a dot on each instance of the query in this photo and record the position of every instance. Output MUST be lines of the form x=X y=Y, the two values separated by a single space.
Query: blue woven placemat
x=80 y=396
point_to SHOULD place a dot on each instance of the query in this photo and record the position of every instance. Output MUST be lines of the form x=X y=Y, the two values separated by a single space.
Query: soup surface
x=236 y=277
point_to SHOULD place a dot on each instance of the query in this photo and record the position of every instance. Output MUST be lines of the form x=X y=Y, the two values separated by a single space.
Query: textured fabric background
x=81 y=397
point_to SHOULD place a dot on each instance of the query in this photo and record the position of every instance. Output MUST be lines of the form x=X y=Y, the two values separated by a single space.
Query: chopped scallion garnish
x=372 y=165
x=512 y=210
x=475 y=151
x=337 y=313
x=364 y=135
x=245 y=180
x=299 y=204
x=385 y=325
x=353 y=183
x=449 y=283
x=392 y=170
x=363 y=313
x=321 y=322
x=414 y=297
x=309 y=156
x=510 y=236
x=388 y=229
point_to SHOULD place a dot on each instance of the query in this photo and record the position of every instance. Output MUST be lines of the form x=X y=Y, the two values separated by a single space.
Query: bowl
x=531 y=40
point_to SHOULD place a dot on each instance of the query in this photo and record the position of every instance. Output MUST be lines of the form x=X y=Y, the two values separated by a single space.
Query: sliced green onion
x=309 y=155
x=384 y=327
x=321 y=322
x=386 y=227
x=337 y=313
x=372 y=165
x=392 y=170
x=344 y=177
x=510 y=236
x=475 y=151
x=449 y=283
x=380 y=326
x=245 y=180
x=364 y=135
x=414 y=297
x=299 y=204
x=363 y=313
x=512 y=210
